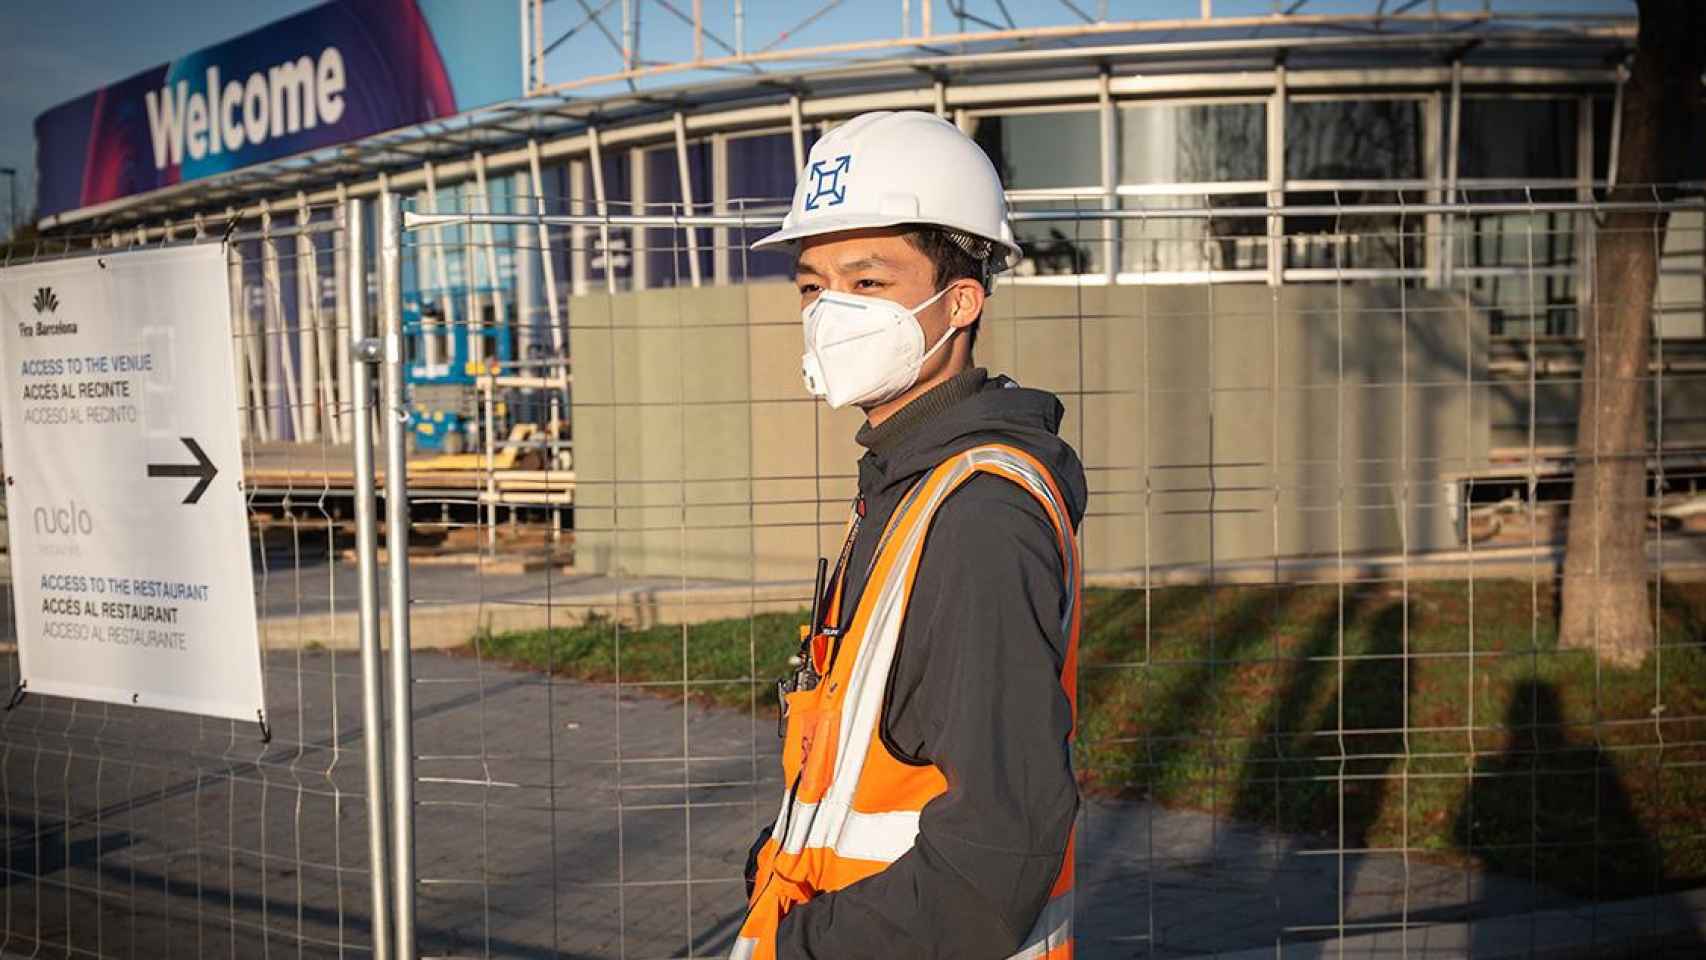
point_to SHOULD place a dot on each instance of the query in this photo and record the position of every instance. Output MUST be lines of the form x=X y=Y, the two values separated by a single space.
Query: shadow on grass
x=1337 y=728
x=1157 y=711
x=1556 y=811
x=1353 y=718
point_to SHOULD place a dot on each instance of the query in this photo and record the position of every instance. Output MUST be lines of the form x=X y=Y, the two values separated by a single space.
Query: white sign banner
x=130 y=548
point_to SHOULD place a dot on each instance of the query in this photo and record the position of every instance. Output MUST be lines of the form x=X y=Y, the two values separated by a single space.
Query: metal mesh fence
x=1323 y=694
x=144 y=833
x=1324 y=704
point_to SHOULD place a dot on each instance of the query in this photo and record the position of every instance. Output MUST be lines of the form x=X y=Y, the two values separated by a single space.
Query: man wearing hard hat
x=929 y=798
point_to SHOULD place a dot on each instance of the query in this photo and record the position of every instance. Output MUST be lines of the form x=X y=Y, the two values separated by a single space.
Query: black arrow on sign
x=202 y=468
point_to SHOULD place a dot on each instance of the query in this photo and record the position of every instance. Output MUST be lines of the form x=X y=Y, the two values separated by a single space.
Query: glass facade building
x=1307 y=145
x=1279 y=126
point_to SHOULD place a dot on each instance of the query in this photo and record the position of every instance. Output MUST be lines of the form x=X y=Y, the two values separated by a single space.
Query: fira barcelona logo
x=45 y=301
x=827 y=188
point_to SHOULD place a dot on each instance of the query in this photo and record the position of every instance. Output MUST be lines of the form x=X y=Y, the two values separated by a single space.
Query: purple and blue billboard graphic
x=335 y=73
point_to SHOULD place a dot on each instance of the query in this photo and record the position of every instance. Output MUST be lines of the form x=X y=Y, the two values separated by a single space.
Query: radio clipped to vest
x=805 y=675
x=819 y=641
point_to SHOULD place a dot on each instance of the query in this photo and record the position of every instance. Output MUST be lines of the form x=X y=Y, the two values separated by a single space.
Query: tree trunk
x=1605 y=600
x=1605 y=559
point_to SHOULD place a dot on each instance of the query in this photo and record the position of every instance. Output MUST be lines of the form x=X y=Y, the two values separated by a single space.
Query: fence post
x=397 y=566
x=362 y=353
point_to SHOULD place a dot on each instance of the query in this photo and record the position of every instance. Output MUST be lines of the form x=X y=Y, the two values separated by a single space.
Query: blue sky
x=56 y=50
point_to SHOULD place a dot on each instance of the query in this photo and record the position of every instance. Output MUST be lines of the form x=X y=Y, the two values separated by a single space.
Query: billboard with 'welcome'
x=337 y=72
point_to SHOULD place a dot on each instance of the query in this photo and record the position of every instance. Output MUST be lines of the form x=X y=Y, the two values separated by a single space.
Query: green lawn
x=1442 y=718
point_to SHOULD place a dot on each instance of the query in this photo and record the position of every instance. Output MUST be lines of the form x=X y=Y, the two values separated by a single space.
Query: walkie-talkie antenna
x=817 y=594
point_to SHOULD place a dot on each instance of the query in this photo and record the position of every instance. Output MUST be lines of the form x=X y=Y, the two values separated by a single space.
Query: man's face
x=875 y=263
x=883 y=263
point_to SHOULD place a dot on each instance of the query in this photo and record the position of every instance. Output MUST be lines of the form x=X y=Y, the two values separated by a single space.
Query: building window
x=1182 y=249
x=667 y=248
x=1348 y=152
x=1044 y=151
x=1208 y=143
x=1504 y=138
x=555 y=190
x=1521 y=269
x=615 y=260
x=1353 y=140
x=1056 y=157
x=1603 y=110
x=1059 y=247
x=761 y=167
x=760 y=174
x=1196 y=151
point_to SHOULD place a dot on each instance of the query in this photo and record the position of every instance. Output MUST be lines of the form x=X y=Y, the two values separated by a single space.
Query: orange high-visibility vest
x=851 y=808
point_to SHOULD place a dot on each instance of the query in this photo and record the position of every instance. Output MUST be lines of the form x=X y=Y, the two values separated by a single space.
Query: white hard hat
x=885 y=168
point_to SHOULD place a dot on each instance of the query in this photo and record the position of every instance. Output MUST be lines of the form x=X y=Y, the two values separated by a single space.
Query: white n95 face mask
x=863 y=350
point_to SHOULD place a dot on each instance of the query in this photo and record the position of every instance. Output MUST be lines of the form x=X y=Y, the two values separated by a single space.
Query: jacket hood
x=1002 y=412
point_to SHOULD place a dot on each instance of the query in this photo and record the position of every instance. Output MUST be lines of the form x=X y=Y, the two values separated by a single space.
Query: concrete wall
x=1229 y=423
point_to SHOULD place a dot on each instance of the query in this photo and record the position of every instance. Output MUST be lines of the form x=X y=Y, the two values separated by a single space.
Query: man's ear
x=965 y=302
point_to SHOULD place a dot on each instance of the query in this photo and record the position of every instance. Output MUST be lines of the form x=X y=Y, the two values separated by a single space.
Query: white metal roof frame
x=1139 y=59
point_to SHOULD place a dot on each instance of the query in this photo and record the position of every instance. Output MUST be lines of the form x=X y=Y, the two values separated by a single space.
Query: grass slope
x=1440 y=717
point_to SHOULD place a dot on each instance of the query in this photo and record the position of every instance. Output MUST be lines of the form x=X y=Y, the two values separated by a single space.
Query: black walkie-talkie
x=816 y=621
x=804 y=675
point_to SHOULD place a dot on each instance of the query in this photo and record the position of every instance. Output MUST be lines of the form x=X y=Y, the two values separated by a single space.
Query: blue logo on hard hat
x=827 y=188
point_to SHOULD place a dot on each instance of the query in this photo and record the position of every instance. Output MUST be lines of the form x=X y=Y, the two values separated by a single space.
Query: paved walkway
x=558 y=819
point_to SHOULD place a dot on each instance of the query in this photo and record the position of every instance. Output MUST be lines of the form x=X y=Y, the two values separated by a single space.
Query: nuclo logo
x=68 y=521
x=45 y=301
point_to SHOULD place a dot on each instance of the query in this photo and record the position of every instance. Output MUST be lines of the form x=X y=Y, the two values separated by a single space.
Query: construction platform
x=282 y=478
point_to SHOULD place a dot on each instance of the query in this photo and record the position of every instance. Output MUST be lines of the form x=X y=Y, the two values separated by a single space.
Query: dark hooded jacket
x=975 y=689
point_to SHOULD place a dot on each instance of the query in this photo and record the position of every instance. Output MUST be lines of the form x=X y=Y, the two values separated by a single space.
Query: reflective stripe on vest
x=1051 y=935
x=828 y=835
x=861 y=836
